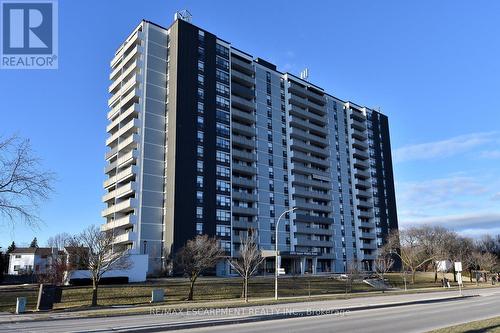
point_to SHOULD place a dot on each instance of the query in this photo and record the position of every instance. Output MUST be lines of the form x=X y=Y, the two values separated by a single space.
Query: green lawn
x=480 y=326
x=206 y=289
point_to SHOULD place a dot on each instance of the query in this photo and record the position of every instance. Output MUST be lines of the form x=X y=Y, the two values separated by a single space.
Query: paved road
x=410 y=318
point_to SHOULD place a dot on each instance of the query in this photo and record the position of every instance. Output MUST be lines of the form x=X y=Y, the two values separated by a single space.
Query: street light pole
x=276 y=266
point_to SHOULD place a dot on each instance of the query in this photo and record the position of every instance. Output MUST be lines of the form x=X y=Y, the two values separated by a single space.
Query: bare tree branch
x=23 y=182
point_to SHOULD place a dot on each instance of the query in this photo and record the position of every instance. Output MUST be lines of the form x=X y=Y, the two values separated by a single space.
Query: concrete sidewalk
x=168 y=317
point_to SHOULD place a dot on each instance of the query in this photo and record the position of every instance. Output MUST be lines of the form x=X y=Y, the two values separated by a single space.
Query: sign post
x=458 y=270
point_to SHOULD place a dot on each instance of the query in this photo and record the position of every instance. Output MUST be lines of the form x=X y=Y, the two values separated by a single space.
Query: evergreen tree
x=34 y=242
x=11 y=247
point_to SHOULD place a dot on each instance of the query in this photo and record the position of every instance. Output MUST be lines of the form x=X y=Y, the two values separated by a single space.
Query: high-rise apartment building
x=206 y=139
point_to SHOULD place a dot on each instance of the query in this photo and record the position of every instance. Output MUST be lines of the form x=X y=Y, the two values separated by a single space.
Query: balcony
x=361 y=174
x=243 y=225
x=242 y=103
x=125 y=238
x=362 y=184
x=356 y=124
x=127 y=158
x=368 y=246
x=248 y=211
x=237 y=195
x=366 y=225
x=303 y=180
x=303 y=157
x=120 y=192
x=122 y=207
x=361 y=164
x=310 y=194
x=242 y=91
x=244 y=182
x=131 y=126
x=356 y=143
x=312 y=206
x=242 y=66
x=361 y=154
x=245 y=117
x=244 y=156
x=298 y=111
x=365 y=214
x=246 y=130
x=300 y=123
x=313 y=231
x=122 y=222
x=367 y=235
x=359 y=135
x=311 y=171
x=243 y=79
x=362 y=193
x=244 y=169
x=243 y=142
x=310 y=148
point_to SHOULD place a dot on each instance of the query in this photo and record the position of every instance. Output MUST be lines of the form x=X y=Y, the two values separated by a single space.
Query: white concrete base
x=136 y=273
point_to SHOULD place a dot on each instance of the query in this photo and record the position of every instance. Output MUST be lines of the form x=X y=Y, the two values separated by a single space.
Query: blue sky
x=431 y=66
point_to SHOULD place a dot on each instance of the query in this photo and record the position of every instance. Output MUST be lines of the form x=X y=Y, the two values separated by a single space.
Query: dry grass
x=481 y=326
x=206 y=289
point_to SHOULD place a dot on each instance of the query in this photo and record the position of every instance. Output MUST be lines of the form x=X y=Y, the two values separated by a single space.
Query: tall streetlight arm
x=276 y=251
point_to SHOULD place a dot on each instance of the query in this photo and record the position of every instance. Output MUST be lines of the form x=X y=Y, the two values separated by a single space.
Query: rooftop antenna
x=184 y=15
x=304 y=75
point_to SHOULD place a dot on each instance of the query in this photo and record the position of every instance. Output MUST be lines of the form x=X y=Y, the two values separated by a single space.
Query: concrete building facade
x=207 y=139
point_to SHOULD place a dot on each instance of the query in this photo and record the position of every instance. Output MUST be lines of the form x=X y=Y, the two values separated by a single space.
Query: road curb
x=278 y=316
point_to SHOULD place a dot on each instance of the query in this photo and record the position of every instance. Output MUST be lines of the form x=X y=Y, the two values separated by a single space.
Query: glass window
x=222 y=51
x=222 y=63
x=199 y=166
x=222 y=89
x=223 y=186
x=222 y=143
x=223 y=215
x=222 y=76
x=222 y=129
x=199 y=228
x=222 y=115
x=199 y=136
x=199 y=151
x=200 y=120
x=201 y=66
x=199 y=212
x=223 y=200
x=223 y=157
x=225 y=245
x=201 y=107
x=223 y=171
x=201 y=93
x=199 y=197
x=223 y=230
x=222 y=102
x=201 y=79
x=199 y=181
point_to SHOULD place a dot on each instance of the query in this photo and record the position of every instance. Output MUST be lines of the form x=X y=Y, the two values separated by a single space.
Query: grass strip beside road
x=484 y=326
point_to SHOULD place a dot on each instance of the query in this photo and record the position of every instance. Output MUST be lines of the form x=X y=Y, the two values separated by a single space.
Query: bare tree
x=248 y=262
x=23 y=182
x=59 y=241
x=410 y=246
x=196 y=257
x=94 y=249
x=383 y=263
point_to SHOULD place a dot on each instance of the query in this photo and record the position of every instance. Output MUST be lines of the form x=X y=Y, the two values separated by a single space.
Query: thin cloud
x=492 y=154
x=444 y=148
x=459 y=222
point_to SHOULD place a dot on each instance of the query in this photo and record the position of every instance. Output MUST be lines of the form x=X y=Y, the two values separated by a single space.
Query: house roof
x=41 y=251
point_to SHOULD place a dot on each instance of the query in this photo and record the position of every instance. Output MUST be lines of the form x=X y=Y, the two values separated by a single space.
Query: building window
x=222 y=89
x=222 y=51
x=222 y=143
x=222 y=76
x=222 y=102
x=223 y=230
x=223 y=171
x=199 y=197
x=201 y=107
x=199 y=151
x=199 y=212
x=199 y=166
x=223 y=215
x=200 y=120
x=222 y=63
x=223 y=200
x=223 y=157
x=201 y=93
x=225 y=245
x=201 y=79
x=199 y=136
x=223 y=186
x=201 y=66
x=18 y=256
x=199 y=228
x=222 y=129
x=199 y=181
x=222 y=116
